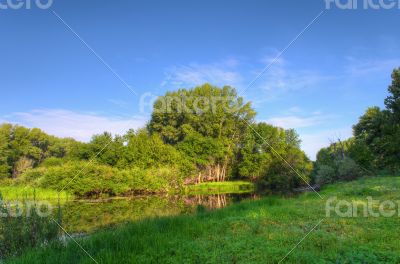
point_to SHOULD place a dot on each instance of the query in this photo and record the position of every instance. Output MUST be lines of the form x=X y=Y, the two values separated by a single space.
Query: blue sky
x=320 y=85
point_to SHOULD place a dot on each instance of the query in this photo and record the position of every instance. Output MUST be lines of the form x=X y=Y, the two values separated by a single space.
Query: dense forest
x=199 y=135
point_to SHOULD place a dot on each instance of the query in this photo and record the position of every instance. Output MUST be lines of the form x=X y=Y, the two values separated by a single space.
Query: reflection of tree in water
x=89 y=215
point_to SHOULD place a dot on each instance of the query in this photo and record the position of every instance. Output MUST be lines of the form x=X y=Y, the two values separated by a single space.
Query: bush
x=52 y=161
x=348 y=169
x=90 y=179
x=325 y=174
x=344 y=169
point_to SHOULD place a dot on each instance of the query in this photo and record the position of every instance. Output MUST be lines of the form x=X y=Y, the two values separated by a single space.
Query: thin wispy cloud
x=193 y=74
x=293 y=121
x=283 y=78
x=356 y=68
x=308 y=125
x=81 y=126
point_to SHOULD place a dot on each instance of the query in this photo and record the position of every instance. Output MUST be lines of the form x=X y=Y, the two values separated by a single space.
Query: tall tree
x=392 y=102
x=205 y=111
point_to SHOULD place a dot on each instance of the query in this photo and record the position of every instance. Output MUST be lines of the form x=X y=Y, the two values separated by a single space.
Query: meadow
x=262 y=231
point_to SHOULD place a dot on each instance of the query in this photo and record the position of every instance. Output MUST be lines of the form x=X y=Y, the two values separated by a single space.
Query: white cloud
x=295 y=121
x=81 y=126
x=222 y=73
x=313 y=142
x=280 y=78
x=357 y=68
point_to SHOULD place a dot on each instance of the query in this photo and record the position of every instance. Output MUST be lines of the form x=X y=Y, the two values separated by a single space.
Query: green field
x=262 y=231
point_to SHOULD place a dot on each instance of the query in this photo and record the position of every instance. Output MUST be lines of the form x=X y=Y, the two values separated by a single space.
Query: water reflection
x=90 y=215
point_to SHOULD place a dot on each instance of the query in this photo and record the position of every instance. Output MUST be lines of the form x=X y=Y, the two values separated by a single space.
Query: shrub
x=83 y=179
x=30 y=177
x=325 y=174
x=348 y=169
x=52 y=161
x=91 y=179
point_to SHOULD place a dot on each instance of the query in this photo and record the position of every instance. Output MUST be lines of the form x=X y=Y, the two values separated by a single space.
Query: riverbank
x=261 y=231
x=18 y=192
x=30 y=193
x=220 y=187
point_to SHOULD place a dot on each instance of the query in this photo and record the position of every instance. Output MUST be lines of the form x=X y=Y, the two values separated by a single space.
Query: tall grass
x=26 y=226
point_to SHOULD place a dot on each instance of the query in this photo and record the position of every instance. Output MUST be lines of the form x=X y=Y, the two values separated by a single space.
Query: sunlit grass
x=20 y=193
x=220 y=187
x=261 y=231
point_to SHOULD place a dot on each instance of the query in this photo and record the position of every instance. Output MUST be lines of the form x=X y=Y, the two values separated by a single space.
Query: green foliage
x=19 y=233
x=211 y=111
x=380 y=129
x=52 y=161
x=22 y=148
x=376 y=142
x=202 y=151
x=270 y=155
x=194 y=135
x=392 y=102
x=325 y=174
x=206 y=123
x=145 y=151
x=92 y=179
x=348 y=169
x=342 y=161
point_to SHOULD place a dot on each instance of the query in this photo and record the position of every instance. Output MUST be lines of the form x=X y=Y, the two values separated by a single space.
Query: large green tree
x=380 y=129
x=203 y=112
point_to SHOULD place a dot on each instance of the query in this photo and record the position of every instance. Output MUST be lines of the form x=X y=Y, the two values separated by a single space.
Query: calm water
x=83 y=216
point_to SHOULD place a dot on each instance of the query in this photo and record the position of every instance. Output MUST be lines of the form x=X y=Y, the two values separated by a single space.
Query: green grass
x=20 y=192
x=220 y=187
x=261 y=231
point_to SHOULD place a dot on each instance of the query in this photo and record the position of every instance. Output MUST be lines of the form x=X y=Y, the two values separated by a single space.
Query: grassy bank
x=20 y=192
x=220 y=187
x=261 y=231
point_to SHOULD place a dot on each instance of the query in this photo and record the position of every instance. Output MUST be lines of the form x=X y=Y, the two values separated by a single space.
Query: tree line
x=180 y=145
x=374 y=147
